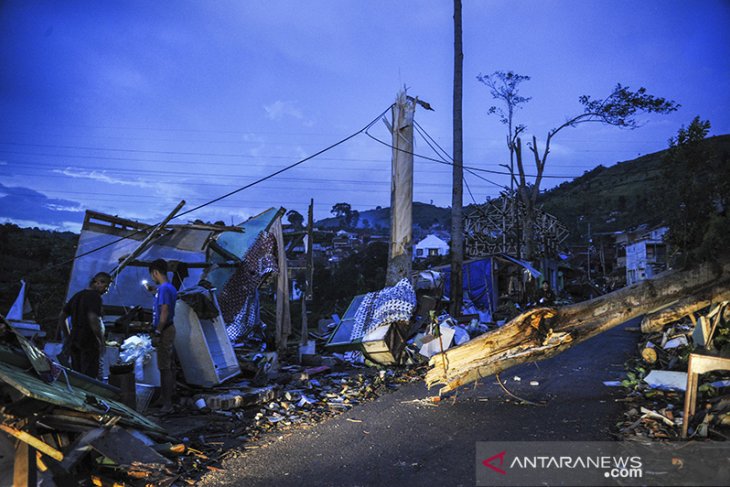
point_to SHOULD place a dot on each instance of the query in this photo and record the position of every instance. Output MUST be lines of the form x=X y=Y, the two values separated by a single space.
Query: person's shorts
x=86 y=361
x=165 y=348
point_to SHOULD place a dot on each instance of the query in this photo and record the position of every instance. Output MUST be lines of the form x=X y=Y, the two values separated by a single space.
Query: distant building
x=646 y=256
x=431 y=246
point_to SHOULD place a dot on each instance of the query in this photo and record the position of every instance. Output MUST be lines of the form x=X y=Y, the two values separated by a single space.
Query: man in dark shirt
x=546 y=296
x=86 y=341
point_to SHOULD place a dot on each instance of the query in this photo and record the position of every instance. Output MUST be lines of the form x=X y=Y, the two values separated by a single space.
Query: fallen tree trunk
x=545 y=332
x=684 y=307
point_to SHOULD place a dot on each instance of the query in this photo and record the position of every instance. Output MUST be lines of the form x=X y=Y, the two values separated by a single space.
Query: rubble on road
x=87 y=433
x=656 y=380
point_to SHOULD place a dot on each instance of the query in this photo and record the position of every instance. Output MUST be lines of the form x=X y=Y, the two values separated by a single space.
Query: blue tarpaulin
x=478 y=281
x=478 y=286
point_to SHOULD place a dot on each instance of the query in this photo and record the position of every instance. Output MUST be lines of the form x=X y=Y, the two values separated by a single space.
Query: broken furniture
x=377 y=323
x=203 y=348
x=698 y=364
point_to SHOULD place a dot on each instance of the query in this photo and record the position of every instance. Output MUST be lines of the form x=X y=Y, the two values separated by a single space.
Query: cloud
x=56 y=207
x=281 y=109
x=103 y=177
x=159 y=188
x=25 y=206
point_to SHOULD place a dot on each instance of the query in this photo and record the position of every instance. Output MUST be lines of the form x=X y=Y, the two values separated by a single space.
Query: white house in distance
x=647 y=256
x=431 y=246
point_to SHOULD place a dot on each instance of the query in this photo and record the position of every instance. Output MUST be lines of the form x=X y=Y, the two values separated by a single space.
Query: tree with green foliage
x=505 y=87
x=696 y=209
x=295 y=219
x=343 y=211
x=620 y=109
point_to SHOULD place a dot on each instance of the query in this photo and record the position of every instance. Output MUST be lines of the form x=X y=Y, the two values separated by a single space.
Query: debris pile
x=312 y=400
x=657 y=380
x=64 y=426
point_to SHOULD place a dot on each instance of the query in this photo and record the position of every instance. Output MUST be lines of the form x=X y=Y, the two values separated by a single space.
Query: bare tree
x=620 y=109
x=505 y=87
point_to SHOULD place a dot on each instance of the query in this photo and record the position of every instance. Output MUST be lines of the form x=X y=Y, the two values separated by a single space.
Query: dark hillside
x=25 y=252
x=617 y=197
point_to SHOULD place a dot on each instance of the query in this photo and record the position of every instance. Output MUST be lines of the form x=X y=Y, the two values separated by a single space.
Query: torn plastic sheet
x=666 y=380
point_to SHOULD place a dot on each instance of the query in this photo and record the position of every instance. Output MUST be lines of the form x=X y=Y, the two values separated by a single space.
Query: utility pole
x=457 y=197
x=401 y=190
x=307 y=289
x=588 y=251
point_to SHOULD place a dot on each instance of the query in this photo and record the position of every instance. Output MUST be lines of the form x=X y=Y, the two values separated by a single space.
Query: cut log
x=649 y=355
x=545 y=332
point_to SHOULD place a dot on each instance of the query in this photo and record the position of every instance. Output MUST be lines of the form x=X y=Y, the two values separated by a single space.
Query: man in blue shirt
x=163 y=314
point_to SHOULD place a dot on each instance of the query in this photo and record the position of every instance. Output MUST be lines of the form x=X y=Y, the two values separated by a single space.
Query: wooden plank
x=33 y=441
x=24 y=468
x=79 y=448
x=147 y=241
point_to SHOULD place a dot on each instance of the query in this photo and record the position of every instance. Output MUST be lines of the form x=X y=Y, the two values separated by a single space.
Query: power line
x=427 y=137
x=251 y=132
x=363 y=186
x=243 y=156
x=491 y=171
x=227 y=195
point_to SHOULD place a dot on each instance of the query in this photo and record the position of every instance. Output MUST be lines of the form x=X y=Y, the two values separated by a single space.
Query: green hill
x=27 y=253
x=424 y=216
x=618 y=197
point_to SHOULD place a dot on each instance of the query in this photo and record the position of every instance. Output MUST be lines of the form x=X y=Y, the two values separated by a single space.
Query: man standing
x=546 y=297
x=86 y=340
x=163 y=314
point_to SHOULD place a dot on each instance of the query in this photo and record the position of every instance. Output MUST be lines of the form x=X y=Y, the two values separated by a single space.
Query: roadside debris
x=656 y=381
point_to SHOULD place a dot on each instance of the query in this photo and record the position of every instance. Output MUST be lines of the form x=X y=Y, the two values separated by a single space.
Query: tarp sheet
x=478 y=288
x=535 y=273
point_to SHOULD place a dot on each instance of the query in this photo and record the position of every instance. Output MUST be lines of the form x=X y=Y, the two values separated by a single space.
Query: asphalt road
x=398 y=441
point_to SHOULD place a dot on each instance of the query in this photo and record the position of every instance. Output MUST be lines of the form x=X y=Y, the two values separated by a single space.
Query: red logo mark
x=488 y=462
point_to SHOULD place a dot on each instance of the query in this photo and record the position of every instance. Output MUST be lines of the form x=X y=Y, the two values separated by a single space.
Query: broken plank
x=33 y=441
x=25 y=472
x=684 y=307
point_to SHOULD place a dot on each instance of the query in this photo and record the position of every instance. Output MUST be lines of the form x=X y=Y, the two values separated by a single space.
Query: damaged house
x=210 y=264
x=57 y=417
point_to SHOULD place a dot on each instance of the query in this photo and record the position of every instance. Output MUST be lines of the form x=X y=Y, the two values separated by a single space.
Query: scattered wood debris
x=655 y=381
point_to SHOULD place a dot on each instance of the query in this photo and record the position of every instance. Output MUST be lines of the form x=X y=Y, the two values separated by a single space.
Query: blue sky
x=127 y=107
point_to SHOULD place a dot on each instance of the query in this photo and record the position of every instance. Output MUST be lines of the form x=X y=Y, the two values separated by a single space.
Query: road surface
x=397 y=440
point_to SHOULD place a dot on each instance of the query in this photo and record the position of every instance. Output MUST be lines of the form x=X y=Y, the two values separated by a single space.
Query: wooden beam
x=147 y=241
x=25 y=473
x=401 y=191
x=32 y=441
